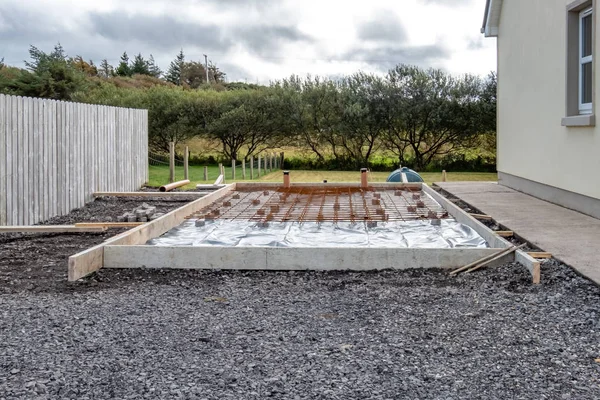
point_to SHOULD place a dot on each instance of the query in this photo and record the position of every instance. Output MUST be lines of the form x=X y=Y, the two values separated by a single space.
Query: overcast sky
x=257 y=40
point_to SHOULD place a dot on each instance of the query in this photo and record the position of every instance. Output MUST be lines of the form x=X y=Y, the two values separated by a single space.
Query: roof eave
x=491 y=18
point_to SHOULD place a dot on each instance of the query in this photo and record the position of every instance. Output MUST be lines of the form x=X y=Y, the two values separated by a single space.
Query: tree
x=49 y=75
x=175 y=69
x=193 y=74
x=2 y=65
x=436 y=113
x=153 y=69
x=106 y=70
x=363 y=107
x=214 y=74
x=88 y=69
x=140 y=66
x=123 y=69
x=311 y=106
x=247 y=120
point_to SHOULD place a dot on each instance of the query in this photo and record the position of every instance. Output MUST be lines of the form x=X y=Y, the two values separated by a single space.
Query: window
x=580 y=93
x=585 y=61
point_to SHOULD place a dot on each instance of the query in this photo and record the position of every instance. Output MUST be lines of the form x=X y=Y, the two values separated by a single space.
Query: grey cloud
x=383 y=27
x=266 y=40
x=475 y=44
x=386 y=57
x=159 y=32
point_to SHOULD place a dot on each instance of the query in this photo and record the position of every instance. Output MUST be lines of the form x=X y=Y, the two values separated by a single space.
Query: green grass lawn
x=159 y=175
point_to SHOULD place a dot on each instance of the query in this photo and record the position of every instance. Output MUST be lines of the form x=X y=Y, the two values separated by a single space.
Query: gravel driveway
x=254 y=335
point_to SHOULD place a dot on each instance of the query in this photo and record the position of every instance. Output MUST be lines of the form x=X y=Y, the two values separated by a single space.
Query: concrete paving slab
x=571 y=237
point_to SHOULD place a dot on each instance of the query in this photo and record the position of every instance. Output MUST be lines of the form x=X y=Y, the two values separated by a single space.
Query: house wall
x=532 y=144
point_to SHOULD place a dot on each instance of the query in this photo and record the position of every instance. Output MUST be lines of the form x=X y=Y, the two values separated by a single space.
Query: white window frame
x=584 y=108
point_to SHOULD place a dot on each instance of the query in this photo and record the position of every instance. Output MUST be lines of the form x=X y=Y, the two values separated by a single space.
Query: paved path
x=571 y=237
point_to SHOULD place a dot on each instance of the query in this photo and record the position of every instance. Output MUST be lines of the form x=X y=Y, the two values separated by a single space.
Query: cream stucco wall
x=532 y=144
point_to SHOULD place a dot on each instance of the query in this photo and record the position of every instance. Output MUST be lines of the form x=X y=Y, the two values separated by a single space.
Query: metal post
x=251 y=167
x=233 y=170
x=244 y=168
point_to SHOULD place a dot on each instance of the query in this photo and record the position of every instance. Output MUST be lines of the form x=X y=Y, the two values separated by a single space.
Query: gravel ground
x=38 y=261
x=252 y=335
x=412 y=334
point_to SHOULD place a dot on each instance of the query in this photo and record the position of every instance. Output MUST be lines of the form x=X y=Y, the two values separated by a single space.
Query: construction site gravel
x=288 y=335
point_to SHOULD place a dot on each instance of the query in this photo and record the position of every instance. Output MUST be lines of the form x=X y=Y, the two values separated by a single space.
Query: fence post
x=444 y=178
x=259 y=165
x=186 y=160
x=221 y=171
x=171 y=162
x=233 y=170
x=244 y=168
x=281 y=165
x=251 y=167
x=205 y=173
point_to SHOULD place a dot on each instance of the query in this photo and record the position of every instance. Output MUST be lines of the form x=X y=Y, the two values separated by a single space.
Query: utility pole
x=206 y=67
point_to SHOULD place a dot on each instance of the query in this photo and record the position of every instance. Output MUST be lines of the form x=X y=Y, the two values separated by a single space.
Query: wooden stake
x=171 y=162
x=186 y=160
x=259 y=165
x=205 y=173
x=444 y=178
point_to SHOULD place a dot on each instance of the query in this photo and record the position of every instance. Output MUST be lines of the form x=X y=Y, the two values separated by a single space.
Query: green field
x=159 y=175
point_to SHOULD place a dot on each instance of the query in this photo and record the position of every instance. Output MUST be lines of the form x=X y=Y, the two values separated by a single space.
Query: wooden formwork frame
x=128 y=250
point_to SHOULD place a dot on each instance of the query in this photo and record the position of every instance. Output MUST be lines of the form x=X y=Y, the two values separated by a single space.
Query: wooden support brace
x=504 y=233
x=51 y=229
x=108 y=224
x=482 y=217
x=539 y=254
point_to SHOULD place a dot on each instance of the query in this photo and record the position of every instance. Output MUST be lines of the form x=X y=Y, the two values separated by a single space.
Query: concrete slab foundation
x=130 y=250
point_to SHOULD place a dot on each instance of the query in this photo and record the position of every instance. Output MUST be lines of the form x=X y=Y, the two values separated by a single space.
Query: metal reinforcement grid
x=319 y=204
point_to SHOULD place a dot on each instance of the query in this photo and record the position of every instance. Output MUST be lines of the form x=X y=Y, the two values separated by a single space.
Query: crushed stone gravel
x=157 y=334
x=305 y=335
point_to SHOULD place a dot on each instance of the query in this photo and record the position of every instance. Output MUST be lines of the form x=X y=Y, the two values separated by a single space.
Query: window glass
x=586 y=83
x=586 y=36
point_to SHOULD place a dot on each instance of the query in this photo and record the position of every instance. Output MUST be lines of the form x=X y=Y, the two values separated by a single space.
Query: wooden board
x=539 y=254
x=504 y=233
x=51 y=229
x=482 y=217
x=91 y=260
x=149 y=194
x=109 y=224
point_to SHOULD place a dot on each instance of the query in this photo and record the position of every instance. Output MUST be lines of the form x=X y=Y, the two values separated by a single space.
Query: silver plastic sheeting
x=409 y=234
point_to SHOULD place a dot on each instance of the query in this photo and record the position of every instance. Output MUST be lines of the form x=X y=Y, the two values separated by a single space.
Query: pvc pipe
x=286 y=179
x=363 y=178
x=174 y=185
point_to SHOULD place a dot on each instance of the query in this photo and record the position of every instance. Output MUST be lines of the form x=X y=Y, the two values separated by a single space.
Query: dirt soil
x=38 y=261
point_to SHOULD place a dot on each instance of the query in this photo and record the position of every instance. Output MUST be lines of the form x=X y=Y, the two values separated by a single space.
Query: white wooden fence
x=54 y=155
